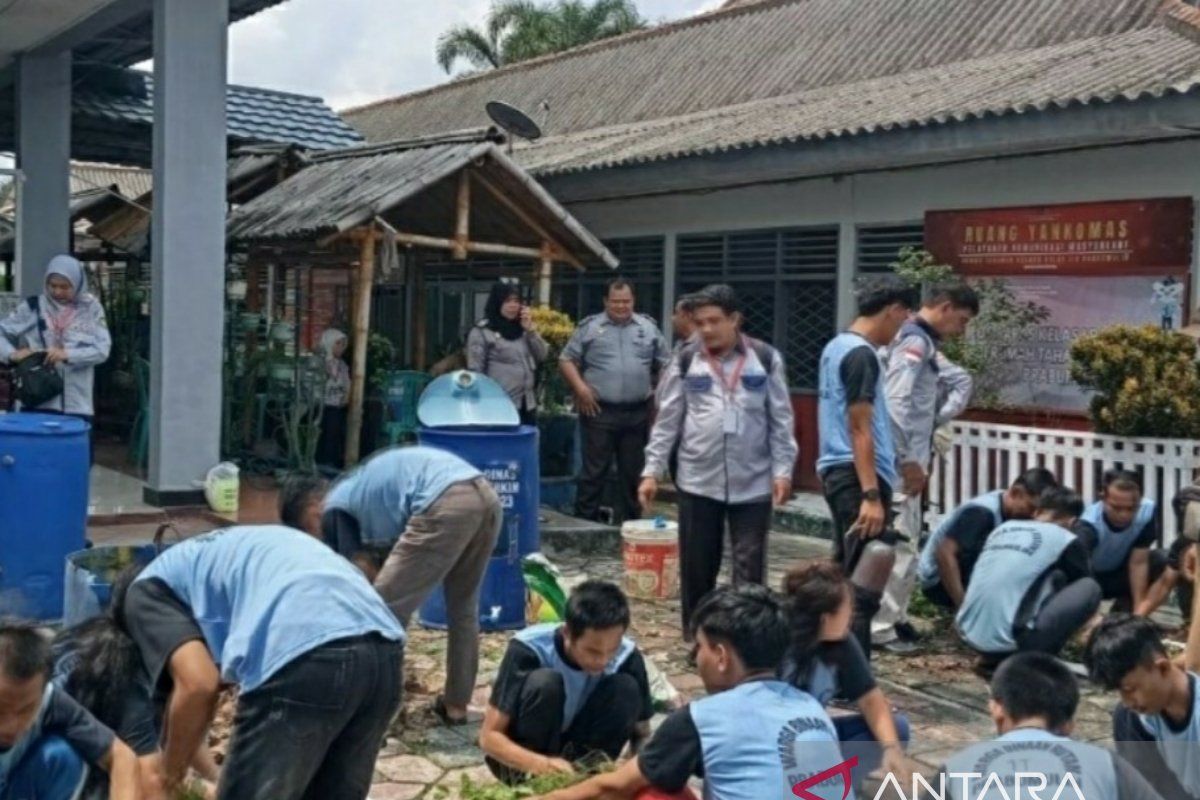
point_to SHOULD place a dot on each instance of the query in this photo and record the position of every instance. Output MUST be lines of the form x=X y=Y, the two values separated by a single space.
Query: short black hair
x=618 y=284
x=295 y=495
x=1120 y=644
x=686 y=302
x=958 y=295
x=1032 y=685
x=877 y=292
x=750 y=618
x=1036 y=481
x=1061 y=502
x=596 y=605
x=720 y=295
x=1123 y=480
x=24 y=652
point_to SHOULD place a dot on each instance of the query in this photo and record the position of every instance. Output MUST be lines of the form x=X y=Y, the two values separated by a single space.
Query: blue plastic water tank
x=508 y=458
x=43 y=510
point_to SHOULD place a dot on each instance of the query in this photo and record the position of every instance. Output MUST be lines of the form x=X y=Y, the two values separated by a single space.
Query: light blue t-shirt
x=265 y=595
x=1113 y=546
x=836 y=448
x=389 y=488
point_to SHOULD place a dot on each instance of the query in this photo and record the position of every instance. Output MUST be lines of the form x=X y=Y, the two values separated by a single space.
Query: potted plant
x=557 y=424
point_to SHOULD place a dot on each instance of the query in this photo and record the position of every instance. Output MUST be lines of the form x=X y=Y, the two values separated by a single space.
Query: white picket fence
x=989 y=456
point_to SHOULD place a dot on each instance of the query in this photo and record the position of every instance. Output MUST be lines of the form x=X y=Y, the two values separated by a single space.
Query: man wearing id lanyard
x=725 y=401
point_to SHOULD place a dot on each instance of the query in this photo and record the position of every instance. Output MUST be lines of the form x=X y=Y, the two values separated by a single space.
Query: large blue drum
x=44 y=466
x=508 y=458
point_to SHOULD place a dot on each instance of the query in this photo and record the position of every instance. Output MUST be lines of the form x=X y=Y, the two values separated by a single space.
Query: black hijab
x=508 y=328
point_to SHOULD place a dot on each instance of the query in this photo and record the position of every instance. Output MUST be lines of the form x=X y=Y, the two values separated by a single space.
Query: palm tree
x=518 y=30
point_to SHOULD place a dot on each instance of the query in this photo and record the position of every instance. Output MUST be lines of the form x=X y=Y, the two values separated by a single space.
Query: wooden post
x=362 y=328
x=419 y=312
x=462 y=227
x=545 y=272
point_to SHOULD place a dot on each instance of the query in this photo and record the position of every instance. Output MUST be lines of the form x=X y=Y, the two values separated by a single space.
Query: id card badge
x=732 y=422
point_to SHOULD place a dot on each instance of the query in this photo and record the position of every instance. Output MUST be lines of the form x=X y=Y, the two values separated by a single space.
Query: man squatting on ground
x=566 y=691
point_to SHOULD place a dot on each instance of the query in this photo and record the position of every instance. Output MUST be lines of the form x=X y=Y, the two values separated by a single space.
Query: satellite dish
x=513 y=120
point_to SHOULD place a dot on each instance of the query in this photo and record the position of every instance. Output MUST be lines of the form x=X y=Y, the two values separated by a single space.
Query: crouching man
x=754 y=736
x=311 y=646
x=47 y=740
x=566 y=691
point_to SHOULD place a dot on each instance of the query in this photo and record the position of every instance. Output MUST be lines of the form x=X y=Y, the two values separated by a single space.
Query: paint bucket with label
x=650 y=549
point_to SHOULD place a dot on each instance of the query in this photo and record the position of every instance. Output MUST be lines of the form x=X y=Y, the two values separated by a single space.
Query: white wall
x=1116 y=173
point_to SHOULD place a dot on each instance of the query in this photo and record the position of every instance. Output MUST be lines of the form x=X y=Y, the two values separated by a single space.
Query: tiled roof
x=254 y=115
x=1140 y=63
x=772 y=71
x=131 y=182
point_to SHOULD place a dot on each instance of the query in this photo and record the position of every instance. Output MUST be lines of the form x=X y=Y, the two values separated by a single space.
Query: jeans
x=50 y=770
x=314 y=729
x=604 y=724
x=857 y=740
x=702 y=542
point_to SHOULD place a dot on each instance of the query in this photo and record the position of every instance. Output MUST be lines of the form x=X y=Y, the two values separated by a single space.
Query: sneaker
x=906 y=632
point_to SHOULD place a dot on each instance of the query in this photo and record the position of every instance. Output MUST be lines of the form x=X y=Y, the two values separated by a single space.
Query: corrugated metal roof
x=753 y=52
x=1146 y=62
x=254 y=115
x=412 y=187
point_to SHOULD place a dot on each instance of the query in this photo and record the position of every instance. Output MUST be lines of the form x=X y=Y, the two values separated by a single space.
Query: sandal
x=439 y=709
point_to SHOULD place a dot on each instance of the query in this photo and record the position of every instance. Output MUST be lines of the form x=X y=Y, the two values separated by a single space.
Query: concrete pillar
x=188 y=246
x=670 y=281
x=846 y=273
x=44 y=158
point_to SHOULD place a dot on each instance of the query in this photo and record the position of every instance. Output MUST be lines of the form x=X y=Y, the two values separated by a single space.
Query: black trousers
x=1115 y=583
x=844 y=495
x=702 y=543
x=331 y=446
x=313 y=731
x=604 y=724
x=1067 y=610
x=620 y=430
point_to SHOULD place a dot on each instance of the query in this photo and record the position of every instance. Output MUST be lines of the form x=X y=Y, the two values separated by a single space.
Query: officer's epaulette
x=646 y=318
x=588 y=320
x=482 y=323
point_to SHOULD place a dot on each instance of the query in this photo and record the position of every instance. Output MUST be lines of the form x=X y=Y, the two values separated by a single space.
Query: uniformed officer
x=725 y=401
x=610 y=364
x=506 y=347
x=913 y=391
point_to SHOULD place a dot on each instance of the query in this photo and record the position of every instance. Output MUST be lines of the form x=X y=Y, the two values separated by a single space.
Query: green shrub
x=1146 y=381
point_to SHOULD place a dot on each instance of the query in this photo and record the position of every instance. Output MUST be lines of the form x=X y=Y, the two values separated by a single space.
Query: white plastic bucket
x=650 y=550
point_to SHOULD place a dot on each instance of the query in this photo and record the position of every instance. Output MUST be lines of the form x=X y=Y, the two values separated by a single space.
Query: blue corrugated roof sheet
x=254 y=115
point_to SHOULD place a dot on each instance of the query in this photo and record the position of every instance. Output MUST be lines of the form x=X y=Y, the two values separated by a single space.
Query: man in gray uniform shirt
x=611 y=364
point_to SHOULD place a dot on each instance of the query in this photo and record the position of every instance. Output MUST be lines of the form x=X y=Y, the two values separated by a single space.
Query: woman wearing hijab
x=505 y=346
x=67 y=324
x=331 y=446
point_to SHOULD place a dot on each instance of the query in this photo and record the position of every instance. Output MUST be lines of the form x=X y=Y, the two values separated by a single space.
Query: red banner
x=1133 y=237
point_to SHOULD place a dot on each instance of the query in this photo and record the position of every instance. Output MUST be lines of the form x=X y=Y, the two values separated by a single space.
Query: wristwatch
x=872 y=496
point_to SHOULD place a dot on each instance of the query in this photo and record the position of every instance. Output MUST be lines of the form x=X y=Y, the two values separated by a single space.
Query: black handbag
x=34 y=381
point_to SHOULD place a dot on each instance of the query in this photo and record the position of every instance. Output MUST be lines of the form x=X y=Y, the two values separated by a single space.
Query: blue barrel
x=44 y=465
x=508 y=458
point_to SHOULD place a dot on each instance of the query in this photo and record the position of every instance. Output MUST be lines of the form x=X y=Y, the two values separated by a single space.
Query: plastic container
x=90 y=575
x=508 y=458
x=650 y=550
x=221 y=487
x=43 y=510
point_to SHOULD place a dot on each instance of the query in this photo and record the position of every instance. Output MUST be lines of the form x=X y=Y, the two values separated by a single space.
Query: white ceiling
x=25 y=24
